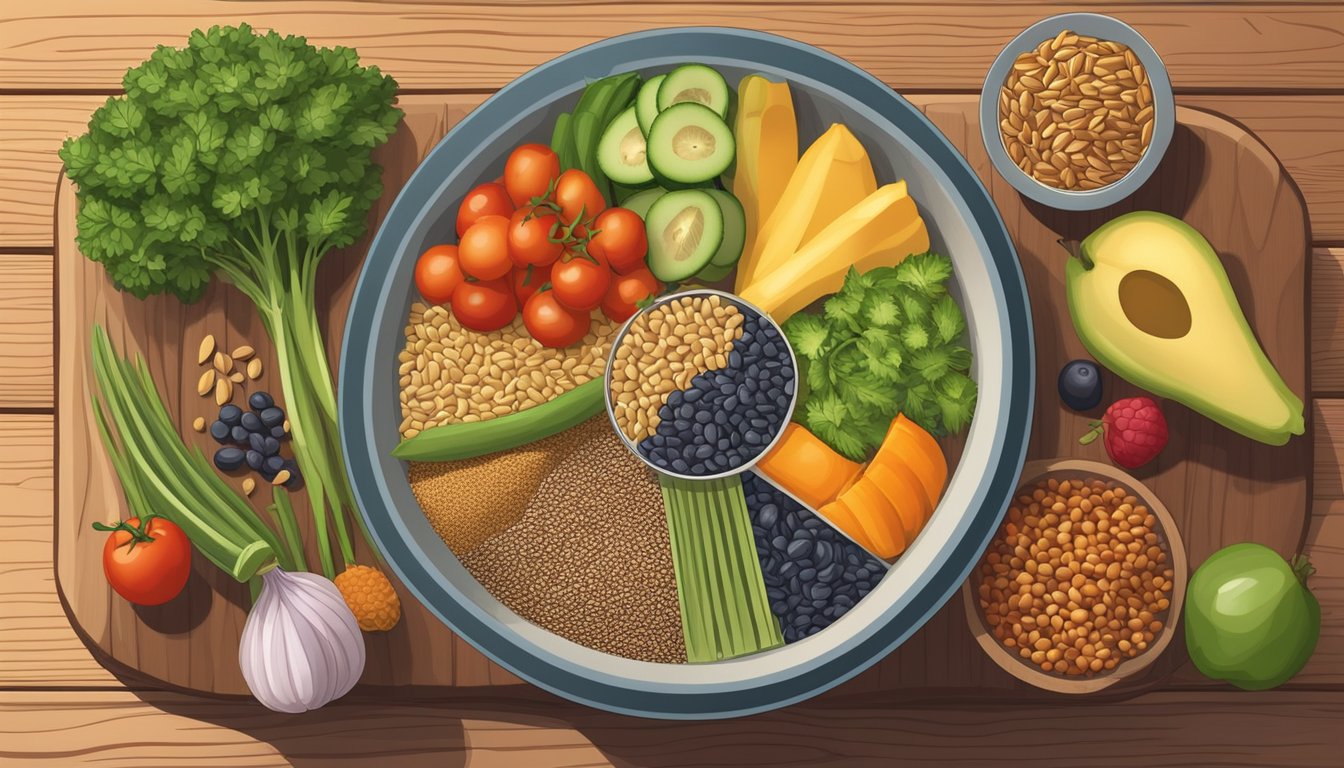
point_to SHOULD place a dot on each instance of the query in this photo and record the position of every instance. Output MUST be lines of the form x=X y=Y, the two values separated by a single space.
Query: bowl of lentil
x=700 y=384
x=1083 y=584
x=1077 y=111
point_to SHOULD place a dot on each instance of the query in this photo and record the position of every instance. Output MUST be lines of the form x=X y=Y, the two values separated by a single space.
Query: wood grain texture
x=123 y=730
x=1327 y=320
x=193 y=642
x=25 y=331
x=1325 y=548
x=1328 y=416
x=1302 y=131
x=1211 y=154
x=37 y=645
x=63 y=44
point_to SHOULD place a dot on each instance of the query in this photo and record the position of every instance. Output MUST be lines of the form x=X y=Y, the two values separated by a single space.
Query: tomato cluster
x=544 y=241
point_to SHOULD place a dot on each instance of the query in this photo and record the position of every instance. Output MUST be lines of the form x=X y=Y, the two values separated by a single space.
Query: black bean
x=256 y=442
x=799 y=549
x=228 y=458
x=255 y=460
x=273 y=417
x=252 y=422
x=273 y=464
x=239 y=435
x=260 y=401
x=220 y=431
x=230 y=414
x=270 y=446
x=278 y=432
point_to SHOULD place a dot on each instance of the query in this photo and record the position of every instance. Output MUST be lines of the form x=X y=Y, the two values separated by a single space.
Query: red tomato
x=620 y=239
x=483 y=251
x=578 y=196
x=529 y=173
x=437 y=273
x=146 y=572
x=626 y=291
x=530 y=232
x=580 y=281
x=484 y=305
x=552 y=323
x=524 y=284
x=488 y=199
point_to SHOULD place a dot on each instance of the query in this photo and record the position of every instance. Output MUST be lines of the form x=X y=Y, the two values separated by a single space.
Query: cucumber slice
x=689 y=144
x=685 y=229
x=641 y=201
x=695 y=83
x=714 y=273
x=734 y=230
x=622 y=153
x=646 y=102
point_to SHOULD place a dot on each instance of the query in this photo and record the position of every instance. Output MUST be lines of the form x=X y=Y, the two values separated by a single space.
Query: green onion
x=724 y=609
x=160 y=475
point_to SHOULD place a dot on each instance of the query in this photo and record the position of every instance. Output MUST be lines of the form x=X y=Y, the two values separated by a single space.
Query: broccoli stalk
x=247 y=156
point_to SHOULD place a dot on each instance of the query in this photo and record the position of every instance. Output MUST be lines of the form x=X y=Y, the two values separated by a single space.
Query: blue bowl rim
x=710 y=700
x=1164 y=111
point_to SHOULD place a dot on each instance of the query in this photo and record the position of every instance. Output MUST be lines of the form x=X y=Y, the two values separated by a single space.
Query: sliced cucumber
x=714 y=273
x=646 y=102
x=622 y=153
x=734 y=229
x=695 y=83
x=641 y=201
x=688 y=145
x=685 y=229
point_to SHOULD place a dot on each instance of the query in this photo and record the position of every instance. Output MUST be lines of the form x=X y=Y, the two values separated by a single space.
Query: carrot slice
x=838 y=514
x=876 y=515
x=807 y=467
x=921 y=453
x=905 y=493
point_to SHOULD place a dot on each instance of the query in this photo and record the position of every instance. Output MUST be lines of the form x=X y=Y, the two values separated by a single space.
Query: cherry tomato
x=626 y=291
x=578 y=196
x=488 y=199
x=485 y=305
x=524 y=285
x=620 y=239
x=146 y=564
x=529 y=172
x=437 y=273
x=552 y=323
x=483 y=251
x=580 y=281
x=530 y=231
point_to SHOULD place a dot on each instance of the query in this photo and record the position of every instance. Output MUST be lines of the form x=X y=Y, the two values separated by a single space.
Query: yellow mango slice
x=767 y=149
x=831 y=177
x=868 y=235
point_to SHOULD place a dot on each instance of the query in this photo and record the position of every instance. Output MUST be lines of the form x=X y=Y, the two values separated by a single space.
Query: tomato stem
x=1302 y=568
x=139 y=533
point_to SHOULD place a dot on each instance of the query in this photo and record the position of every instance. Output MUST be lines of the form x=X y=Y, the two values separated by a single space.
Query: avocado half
x=1151 y=301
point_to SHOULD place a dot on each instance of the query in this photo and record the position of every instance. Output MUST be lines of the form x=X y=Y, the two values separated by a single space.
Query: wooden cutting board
x=1220 y=487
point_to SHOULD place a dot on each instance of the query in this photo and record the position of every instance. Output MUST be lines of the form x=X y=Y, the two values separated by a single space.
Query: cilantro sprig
x=890 y=341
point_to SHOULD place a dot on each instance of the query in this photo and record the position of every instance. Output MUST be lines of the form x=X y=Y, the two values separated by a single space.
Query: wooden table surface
x=1273 y=67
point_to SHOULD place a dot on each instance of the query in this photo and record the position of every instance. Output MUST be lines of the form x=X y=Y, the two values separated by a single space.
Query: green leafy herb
x=890 y=341
x=246 y=156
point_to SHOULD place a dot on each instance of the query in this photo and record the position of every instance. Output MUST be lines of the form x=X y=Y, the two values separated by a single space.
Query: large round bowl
x=962 y=222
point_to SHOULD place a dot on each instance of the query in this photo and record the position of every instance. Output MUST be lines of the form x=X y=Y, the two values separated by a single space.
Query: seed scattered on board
x=221 y=377
x=243 y=353
x=249 y=485
x=281 y=477
x=198 y=424
x=253 y=368
x=207 y=349
x=206 y=383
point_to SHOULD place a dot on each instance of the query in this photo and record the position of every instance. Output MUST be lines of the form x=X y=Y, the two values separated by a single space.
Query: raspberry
x=1135 y=431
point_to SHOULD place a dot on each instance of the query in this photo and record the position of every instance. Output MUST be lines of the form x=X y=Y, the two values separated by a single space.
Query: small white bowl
x=1164 y=111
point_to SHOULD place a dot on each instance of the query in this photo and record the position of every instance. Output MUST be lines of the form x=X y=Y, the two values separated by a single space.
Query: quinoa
x=590 y=558
x=451 y=374
x=469 y=501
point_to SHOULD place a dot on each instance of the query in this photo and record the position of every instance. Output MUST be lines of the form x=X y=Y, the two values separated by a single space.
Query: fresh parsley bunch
x=246 y=156
x=891 y=341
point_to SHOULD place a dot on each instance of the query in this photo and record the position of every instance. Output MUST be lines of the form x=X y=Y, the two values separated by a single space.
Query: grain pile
x=469 y=501
x=1077 y=580
x=590 y=559
x=451 y=374
x=1077 y=112
x=665 y=348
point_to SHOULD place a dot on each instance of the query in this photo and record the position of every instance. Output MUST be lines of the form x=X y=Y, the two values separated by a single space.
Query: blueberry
x=229 y=414
x=229 y=458
x=272 y=417
x=260 y=401
x=255 y=460
x=1080 y=385
x=252 y=423
x=220 y=431
x=239 y=435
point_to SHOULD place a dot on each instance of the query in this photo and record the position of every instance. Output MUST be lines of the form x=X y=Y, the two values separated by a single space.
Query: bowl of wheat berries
x=1082 y=585
x=1077 y=111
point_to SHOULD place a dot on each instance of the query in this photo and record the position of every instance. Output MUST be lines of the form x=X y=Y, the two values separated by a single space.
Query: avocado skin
x=1198 y=385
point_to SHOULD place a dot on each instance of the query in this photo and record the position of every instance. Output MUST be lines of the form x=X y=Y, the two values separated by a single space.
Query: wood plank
x=114 y=729
x=1325 y=548
x=1327 y=320
x=37 y=645
x=1328 y=423
x=62 y=45
x=25 y=331
x=1302 y=131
